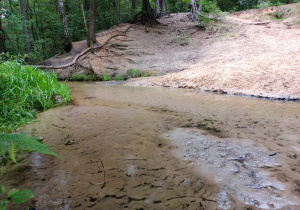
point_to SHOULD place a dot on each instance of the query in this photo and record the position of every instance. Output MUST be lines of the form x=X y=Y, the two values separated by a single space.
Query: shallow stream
x=161 y=148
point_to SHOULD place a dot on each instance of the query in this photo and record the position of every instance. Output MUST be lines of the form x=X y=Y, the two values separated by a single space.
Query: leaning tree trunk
x=68 y=43
x=4 y=33
x=23 y=6
x=92 y=28
x=193 y=16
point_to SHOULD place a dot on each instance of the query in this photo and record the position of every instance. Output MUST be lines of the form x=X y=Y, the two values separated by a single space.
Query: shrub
x=281 y=13
x=24 y=91
x=106 y=77
x=209 y=8
x=119 y=77
x=133 y=73
x=78 y=77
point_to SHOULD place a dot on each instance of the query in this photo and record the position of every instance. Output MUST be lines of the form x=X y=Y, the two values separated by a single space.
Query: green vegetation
x=17 y=196
x=183 y=40
x=281 y=13
x=12 y=143
x=84 y=77
x=9 y=146
x=105 y=76
x=119 y=77
x=210 y=8
x=24 y=91
x=135 y=73
x=78 y=77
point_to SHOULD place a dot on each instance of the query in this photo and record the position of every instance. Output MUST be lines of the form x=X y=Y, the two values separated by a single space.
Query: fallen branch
x=79 y=55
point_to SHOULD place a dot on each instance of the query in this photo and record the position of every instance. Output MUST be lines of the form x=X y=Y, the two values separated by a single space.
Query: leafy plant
x=78 y=77
x=119 y=77
x=106 y=77
x=17 y=196
x=24 y=91
x=209 y=8
x=183 y=40
x=10 y=144
x=133 y=73
x=204 y=20
x=281 y=13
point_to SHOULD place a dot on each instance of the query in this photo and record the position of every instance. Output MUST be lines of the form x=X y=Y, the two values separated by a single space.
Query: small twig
x=104 y=183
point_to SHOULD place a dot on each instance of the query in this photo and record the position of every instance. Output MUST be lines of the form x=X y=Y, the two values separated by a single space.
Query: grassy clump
x=24 y=91
x=135 y=73
x=78 y=77
x=84 y=77
x=119 y=77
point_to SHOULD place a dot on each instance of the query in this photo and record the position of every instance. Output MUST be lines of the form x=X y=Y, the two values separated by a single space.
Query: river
x=163 y=148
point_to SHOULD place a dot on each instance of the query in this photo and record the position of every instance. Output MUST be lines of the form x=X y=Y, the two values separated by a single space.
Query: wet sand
x=163 y=148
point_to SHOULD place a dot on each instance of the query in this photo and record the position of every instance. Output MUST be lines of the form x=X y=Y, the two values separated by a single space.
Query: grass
x=183 y=40
x=25 y=91
x=84 y=77
x=135 y=73
x=78 y=77
x=106 y=76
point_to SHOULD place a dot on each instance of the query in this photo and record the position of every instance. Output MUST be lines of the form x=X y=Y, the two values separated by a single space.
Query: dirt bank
x=246 y=54
x=259 y=58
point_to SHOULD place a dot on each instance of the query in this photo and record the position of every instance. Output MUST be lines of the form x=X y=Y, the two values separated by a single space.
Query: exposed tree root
x=90 y=49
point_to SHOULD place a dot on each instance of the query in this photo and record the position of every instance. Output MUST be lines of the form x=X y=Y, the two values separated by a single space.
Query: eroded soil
x=247 y=53
x=163 y=149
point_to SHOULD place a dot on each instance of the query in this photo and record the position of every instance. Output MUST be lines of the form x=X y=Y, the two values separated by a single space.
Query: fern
x=12 y=151
x=10 y=144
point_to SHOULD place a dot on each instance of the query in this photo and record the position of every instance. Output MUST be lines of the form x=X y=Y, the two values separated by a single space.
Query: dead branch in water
x=81 y=54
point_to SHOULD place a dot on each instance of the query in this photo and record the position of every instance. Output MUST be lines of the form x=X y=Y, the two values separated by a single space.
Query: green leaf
x=12 y=150
x=4 y=204
x=3 y=162
x=22 y=196
x=11 y=192
x=2 y=189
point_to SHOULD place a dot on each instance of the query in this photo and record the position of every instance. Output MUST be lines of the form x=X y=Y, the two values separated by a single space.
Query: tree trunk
x=162 y=4
x=116 y=16
x=92 y=28
x=68 y=43
x=133 y=4
x=193 y=16
x=148 y=14
x=157 y=8
x=23 y=6
x=1 y=41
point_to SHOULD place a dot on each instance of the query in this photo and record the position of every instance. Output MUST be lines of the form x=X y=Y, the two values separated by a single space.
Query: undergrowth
x=24 y=91
x=135 y=73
